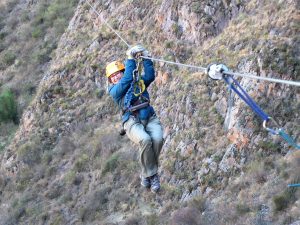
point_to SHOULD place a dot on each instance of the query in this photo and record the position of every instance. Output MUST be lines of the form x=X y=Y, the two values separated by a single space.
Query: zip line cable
x=175 y=63
x=295 y=83
x=108 y=24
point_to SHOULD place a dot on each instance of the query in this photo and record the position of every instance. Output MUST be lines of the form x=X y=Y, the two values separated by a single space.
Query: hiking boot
x=155 y=184
x=145 y=182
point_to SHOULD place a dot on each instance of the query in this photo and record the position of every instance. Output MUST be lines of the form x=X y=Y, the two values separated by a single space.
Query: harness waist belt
x=137 y=107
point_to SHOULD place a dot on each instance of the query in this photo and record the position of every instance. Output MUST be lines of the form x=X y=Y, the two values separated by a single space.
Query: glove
x=146 y=53
x=215 y=71
x=132 y=52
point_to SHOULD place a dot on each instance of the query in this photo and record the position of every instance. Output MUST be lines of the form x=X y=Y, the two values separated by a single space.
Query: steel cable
x=289 y=82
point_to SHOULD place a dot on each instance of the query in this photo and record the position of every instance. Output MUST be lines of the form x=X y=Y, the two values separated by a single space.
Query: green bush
x=60 y=25
x=30 y=152
x=269 y=146
x=41 y=55
x=282 y=201
x=196 y=7
x=242 y=208
x=8 y=107
x=37 y=32
x=3 y=35
x=111 y=163
x=81 y=163
x=57 y=10
x=9 y=58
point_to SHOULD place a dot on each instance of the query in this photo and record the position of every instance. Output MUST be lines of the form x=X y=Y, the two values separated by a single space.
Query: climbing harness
x=139 y=85
x=136 y=88
x=236 y=87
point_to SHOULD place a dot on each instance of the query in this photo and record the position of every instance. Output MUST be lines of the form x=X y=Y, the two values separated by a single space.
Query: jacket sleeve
x=149 y=75
x=118 y=90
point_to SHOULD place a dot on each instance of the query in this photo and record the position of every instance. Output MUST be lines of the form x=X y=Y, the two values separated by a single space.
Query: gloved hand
x=214 y=71
x=146 y=53
x=132 y=52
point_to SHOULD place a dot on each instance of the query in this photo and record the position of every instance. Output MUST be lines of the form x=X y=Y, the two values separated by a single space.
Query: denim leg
x=136 y=133
x=155 y=130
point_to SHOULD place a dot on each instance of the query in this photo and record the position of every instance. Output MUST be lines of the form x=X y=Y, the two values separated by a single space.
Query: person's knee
x=146 y=141
x=158 y=140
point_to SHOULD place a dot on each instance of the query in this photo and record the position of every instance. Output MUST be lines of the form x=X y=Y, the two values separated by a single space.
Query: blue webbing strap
x=288 y=139
x=243 y=95
x=294 y=185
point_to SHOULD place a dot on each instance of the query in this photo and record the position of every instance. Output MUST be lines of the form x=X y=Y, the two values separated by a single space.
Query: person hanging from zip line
x=128 y=88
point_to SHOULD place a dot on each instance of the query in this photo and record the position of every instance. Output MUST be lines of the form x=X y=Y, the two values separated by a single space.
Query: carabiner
x=136 y=72
x=140 y=85
x=273 y=131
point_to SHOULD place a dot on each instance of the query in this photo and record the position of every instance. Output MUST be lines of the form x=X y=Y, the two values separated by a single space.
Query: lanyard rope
x=244 y=95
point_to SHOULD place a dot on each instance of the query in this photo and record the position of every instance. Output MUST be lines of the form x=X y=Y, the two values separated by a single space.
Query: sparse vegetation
x=196 y=7
x=9 y=58
x=30 y=152
x=242 y=208
x=8 y=107
x=82 y=171
x=257 y=171
x=111 y=163
x=281 y=201
x=269 y=146
x=81 y=163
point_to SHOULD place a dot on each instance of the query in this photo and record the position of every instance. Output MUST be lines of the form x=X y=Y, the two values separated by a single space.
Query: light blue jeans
x=149 y=136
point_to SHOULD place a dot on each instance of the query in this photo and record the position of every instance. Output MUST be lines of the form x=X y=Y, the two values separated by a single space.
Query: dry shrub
x=55 y=190
x=81 y=163
x=186 y=216
x=199 y=203
x=118 y=197
x=242 y=208
x=111 y=163
x=64 y=146
x=30 y=152
x=295 y=166
x=134 y=220
x=96 y=201
x=257 y=172
x=109 y=144
x=286 y=198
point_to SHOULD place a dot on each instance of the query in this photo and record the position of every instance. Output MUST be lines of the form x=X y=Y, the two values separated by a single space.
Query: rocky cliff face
x=68 y=165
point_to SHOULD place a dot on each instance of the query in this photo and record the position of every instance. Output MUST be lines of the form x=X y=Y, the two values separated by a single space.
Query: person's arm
x=118 y=90
x=149 y=75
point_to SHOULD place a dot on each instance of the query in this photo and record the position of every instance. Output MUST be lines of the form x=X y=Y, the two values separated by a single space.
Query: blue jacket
x=119 y=90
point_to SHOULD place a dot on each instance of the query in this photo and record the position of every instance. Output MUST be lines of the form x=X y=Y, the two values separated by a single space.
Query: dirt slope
x=68 y=165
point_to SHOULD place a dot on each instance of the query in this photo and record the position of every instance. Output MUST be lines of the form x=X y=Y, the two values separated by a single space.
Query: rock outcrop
x=68 y=165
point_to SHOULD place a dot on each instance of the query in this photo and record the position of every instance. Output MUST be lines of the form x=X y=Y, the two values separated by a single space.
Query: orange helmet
x=113 y=67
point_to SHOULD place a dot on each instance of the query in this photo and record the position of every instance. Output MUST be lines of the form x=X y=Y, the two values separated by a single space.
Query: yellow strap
x=141 y=86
